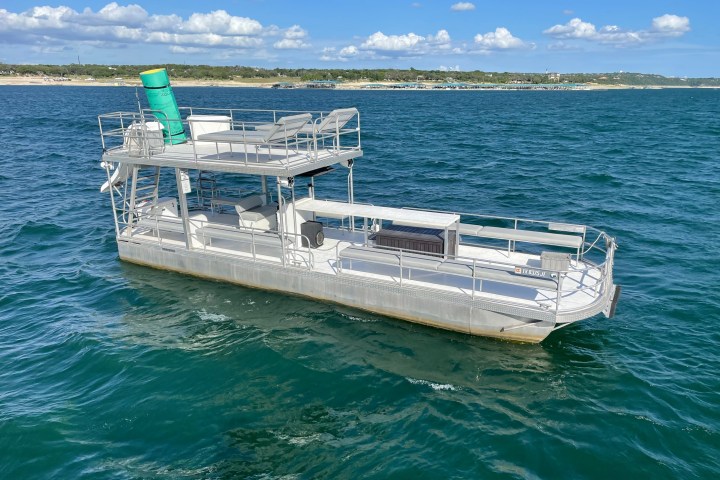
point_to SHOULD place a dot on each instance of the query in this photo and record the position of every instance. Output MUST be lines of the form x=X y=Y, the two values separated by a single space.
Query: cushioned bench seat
x=255 y=213
x=529 y=236
x=258 y=214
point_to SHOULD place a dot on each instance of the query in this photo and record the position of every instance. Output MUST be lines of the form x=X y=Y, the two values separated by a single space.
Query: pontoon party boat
x=235 y=201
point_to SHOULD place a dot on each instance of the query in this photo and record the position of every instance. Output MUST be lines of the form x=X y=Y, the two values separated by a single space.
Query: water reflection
x=176 y=311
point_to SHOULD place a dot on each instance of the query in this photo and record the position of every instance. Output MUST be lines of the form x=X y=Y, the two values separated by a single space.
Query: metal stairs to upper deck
x=143 y=189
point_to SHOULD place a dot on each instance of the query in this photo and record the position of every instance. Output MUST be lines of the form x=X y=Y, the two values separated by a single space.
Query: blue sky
x=669 y=37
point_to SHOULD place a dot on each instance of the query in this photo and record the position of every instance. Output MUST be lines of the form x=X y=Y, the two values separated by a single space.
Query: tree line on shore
x=241 y=73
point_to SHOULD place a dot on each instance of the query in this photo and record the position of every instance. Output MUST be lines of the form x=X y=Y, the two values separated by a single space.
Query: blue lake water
x=110 y=370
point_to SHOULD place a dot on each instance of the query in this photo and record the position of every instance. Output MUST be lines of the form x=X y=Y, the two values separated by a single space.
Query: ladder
x=206 y=189
x=143 y=189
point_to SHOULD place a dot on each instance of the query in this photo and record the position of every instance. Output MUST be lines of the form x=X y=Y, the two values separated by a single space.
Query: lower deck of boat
x=577 y=288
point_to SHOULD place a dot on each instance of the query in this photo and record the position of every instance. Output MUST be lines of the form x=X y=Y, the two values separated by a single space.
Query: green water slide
x=162 y=100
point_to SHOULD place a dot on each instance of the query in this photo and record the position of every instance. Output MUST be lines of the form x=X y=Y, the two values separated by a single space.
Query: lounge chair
x=277 y=134
x=332 y=122
x=283 y=129
x=329 y=124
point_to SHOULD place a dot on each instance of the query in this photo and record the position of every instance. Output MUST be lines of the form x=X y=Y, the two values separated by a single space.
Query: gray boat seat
x=254 y=213
x=162 y=223
x=468 y=229
x=245 y=236
x=529 y=236
x=369 y=254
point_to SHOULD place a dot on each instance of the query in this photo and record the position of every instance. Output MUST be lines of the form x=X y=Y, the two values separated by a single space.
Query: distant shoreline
x=31 y=81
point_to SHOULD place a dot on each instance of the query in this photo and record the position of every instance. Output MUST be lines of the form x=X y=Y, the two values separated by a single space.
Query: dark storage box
x=312 y=231
x=418 y=239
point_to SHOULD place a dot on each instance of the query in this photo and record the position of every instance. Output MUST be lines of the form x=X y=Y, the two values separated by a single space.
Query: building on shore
x=322 y=84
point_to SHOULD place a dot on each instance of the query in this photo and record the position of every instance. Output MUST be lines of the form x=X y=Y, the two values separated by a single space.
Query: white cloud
x=671 y=25
x=500 y=39
x=331 y=54
x=131 y=15
x=462 y=7
x=290 y=43
x=221 y=22
x=663 y=26
x=116 y=25
x=575 y=28
x=441 y=38
x=443 y=68
x=328 y=54
x=392 y=43
x=293 y=39
x=349 y=51
x=295 y=32
x=163 y=22
x=380 y=45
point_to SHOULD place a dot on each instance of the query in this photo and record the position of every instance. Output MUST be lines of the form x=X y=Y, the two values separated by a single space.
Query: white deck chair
x=332 y=122
x=283 y=129
x=277 y=134
x=329 y=126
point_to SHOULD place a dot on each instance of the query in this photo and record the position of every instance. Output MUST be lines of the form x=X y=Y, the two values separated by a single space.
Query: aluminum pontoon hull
x=448 y=311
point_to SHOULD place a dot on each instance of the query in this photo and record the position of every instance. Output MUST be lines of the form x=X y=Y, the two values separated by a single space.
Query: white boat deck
x=577 y=287
x=237 y=158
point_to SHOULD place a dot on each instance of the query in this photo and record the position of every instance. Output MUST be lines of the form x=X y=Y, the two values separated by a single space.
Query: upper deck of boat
x=235 y=158
x=255 y=142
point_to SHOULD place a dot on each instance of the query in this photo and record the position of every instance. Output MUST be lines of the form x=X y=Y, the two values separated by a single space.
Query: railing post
x=474 y=280
x=559 y=293
x=252 y=244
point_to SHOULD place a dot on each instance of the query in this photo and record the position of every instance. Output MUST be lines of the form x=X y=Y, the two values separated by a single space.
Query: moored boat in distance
x=237 y=202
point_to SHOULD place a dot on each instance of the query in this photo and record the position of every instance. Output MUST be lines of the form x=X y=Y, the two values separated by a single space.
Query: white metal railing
x=202 y=232
x=600 y=275
x=518 y=222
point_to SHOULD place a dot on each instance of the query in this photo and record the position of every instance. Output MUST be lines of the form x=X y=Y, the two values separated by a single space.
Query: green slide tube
x=161 y=98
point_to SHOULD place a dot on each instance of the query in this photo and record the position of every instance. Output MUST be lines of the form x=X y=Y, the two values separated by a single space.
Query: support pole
x=351 y=193
x=183 y=207
x=263 y=182
x=281 y=223
x=133 y=191
x=311 y=194
x=294 y=220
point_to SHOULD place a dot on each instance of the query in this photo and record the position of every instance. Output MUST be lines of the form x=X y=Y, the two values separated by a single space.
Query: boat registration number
x=533 y=272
